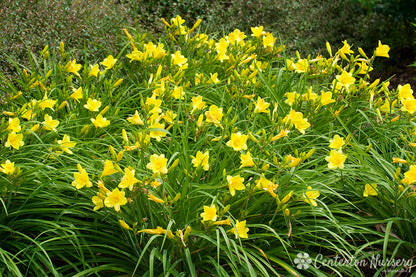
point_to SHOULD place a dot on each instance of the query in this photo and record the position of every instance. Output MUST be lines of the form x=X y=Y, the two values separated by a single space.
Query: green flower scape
x=197 y=155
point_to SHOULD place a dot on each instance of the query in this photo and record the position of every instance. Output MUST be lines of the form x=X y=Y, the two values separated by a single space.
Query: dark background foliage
x=28 y=25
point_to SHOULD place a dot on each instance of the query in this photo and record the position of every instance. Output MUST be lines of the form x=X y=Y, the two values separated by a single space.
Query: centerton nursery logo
x=304 y=261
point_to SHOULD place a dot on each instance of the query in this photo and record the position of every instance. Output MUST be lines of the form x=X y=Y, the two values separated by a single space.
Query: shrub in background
x=196 y=154
x=301 y=25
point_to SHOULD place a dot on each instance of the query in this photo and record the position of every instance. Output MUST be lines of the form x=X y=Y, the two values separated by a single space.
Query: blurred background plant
x=54 y=234
x=301 y=25
x=397 y=30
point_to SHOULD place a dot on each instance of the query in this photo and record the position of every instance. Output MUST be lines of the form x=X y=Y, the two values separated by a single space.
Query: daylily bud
x=117 y=83
x=104 y=110
x=174 y=164
x=309 y=154
x=287 y=212
x=287 y=197
x=120 y=155
x=328 y=48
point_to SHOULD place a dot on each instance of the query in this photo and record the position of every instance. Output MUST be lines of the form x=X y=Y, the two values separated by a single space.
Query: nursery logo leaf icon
x=302 y=261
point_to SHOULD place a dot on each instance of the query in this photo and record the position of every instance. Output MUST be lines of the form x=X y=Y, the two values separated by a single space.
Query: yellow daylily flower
x=326 y=98
x=405 y=92
x=14 y=125
x=201 y=160
x=238 y=141
x=345 y=79
x=345 y=50
x=336 y=142
x=81 y=178
x=93 y=105
x=246 y=160
x=178 y=92
x=49 y=123
x=281 y=134
x=382 y=50
x=158 y=164
x=66 y=143
x=236 y=36
x=128 y=179
x=261 y=106
x=336 y=159
x=109 y=62
x=108 y=168
x=235 y=183
x=94 y=70
x=240 y=230
x=135 y=119
x=197 y=103
x=310 y=196
x=14 y=140
x=77 y=94
x=410 y=176
x=214 y=115
x=268 y=40
x=8 y=168
x=409 y=105
x=115 y=199
x=73 y=67
x=157 y=134
x=210 y=213
x=296 y=118
x=292 y=161
x=370 y=190
x=98 y=201
x=257 y=31
x=100 y=121
x=179 y=60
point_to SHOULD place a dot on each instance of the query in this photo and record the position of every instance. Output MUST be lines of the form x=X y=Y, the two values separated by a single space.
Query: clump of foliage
x=27 y=25
x=191 y=154
x=398 y=9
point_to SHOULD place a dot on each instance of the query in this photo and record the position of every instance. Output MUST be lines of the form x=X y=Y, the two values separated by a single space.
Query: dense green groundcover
x=197 y=155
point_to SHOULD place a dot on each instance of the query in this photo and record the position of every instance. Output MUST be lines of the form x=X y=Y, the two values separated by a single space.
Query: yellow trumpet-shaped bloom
x=310 y=196
x=8 y=168
x=210 y=213
x=240 y=229
x=235 y=183
x=108 y=168
x=158 y=164
x=214 y=115
x=115 y=199
x=49 y=123
x=238 y=141
x=370 y=190
x=128 y=179
x=66 y=143
x=201 y=160
x=109 y=62
x=14 y=125
x=93 y=105
x=14 y=140
x=100 y=121
x=81 y=178
x=246 y=160
x=382 y=50
x=336 y=142
x=336 y=159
